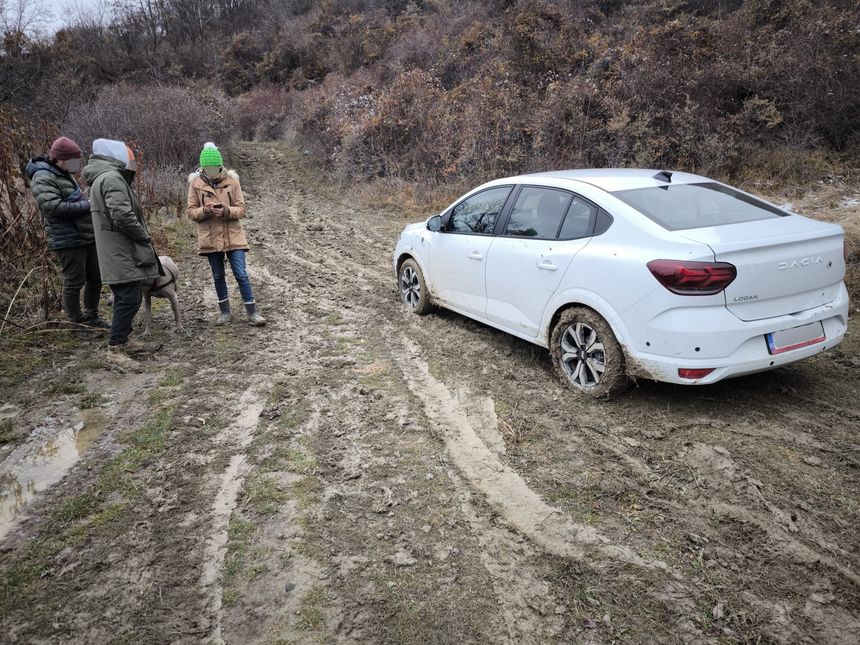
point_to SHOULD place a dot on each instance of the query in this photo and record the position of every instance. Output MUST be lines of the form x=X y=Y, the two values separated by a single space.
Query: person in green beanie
x=217 y=205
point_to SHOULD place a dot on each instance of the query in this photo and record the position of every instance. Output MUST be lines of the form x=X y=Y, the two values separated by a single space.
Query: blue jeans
x=219 y=275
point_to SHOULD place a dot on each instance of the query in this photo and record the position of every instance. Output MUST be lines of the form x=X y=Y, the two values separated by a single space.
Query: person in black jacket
x=69 y=228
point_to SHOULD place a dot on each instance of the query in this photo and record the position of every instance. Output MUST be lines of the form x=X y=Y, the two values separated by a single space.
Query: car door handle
x=546 y=265
x=474 y=255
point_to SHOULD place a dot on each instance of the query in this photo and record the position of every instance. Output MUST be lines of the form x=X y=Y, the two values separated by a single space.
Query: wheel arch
x=597 y=305
x=406 y=255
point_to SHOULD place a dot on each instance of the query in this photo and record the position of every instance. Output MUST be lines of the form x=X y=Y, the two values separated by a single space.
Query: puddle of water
x=41 y=462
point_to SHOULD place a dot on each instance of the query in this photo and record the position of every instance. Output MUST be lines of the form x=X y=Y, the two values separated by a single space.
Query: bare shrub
x=402 y=132
x=507 y=87
x=27 y=264
x=261 y=113
x=167 y=124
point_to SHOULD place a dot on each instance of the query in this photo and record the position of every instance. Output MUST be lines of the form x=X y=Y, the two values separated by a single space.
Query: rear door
x=544 y=230
x=459 y=252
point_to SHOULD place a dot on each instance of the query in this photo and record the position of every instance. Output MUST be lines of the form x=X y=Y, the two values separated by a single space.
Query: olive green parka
x=122 y=237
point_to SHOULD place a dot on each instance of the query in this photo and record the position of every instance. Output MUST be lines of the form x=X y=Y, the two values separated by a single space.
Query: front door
x=458 y=253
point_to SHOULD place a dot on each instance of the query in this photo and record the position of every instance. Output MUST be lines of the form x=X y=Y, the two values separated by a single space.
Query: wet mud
x=352 y=473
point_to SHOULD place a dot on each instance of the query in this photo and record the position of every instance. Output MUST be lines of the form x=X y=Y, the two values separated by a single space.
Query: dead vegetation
x=413 y=101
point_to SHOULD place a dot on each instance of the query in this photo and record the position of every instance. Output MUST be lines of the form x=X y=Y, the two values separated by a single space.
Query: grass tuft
x=310 y=613
x=264 y=494
x=7 y=431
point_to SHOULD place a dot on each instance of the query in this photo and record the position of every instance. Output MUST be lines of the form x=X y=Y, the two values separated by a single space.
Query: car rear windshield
x=686 y=206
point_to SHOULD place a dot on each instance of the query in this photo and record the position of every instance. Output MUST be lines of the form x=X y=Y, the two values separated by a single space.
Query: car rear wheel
x=586 y=354
x=413 y=290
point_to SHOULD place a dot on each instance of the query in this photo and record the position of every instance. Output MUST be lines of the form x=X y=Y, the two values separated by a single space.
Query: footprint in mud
x=712 y=465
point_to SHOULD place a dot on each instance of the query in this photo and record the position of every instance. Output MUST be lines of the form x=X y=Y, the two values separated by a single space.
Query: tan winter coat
x=217 y=233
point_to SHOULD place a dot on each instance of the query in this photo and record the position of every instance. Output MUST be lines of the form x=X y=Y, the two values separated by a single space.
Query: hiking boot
x=256 y=320
x=224 y=317
x=120 y=361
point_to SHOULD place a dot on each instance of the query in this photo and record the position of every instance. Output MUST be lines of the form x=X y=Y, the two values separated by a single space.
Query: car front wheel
x=413 y=289
x=586 y=354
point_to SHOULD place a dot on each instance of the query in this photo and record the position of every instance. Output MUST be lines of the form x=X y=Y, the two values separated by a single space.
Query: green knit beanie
x=210 y=156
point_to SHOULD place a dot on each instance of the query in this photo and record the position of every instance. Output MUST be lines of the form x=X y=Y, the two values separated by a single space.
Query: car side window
x=479 y=213
x=578 y=221
x=538 y=212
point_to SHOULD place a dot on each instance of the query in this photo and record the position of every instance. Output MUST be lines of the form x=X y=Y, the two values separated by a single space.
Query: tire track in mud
x=506 y=491
x=506 y=569
x=240 y=434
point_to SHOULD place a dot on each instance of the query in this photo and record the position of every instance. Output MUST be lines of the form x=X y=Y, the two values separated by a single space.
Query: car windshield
x=684 y=206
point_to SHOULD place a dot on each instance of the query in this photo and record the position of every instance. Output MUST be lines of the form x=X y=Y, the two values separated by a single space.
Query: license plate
x=795 y=338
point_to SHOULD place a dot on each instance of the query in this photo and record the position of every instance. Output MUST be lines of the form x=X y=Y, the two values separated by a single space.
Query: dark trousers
x=126 y=302
x=80 y=271
x=240 y=272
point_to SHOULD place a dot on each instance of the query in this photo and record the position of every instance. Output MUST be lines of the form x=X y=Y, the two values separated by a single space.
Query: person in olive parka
x=126 y=256
x=69 y=228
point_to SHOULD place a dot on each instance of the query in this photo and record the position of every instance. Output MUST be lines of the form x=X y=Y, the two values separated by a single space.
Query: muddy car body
x=633 y=273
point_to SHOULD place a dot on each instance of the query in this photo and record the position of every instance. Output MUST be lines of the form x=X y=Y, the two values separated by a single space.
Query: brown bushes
x=167 y=124
x=262 y=112
x=542 y=84
x=24 y=257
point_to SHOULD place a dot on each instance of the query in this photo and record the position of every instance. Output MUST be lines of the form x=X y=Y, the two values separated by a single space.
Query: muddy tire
x=586 y=354
x=413 y=289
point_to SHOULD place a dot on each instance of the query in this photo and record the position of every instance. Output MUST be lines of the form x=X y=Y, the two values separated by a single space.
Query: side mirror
x=434 y=224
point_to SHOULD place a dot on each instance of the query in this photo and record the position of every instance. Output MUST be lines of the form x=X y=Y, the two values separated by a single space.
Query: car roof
x=608 y=179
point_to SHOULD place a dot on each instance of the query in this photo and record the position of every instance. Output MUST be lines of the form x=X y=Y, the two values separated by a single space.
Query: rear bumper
x=731 y=346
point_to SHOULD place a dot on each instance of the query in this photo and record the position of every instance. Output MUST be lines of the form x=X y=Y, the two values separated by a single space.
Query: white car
x=628 y=273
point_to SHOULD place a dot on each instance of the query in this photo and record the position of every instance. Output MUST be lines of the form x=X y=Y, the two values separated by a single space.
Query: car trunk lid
x=784 y=265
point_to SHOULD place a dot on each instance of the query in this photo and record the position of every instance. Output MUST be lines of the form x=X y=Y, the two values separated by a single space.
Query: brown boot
x=120 y=361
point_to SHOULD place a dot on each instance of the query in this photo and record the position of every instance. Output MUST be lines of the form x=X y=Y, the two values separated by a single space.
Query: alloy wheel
x=410 y=287
x=583 y=357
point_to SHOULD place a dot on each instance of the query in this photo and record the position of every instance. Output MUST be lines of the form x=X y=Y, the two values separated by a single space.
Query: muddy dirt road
x=352 y=473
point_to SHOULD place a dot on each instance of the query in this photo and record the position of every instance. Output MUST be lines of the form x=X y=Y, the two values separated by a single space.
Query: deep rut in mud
x=353 y=473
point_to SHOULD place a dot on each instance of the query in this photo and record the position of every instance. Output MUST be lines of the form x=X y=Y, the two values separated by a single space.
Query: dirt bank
x=352 y=473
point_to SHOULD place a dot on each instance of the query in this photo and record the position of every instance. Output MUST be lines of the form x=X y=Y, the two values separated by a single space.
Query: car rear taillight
x=693 y=278
x=686 y=372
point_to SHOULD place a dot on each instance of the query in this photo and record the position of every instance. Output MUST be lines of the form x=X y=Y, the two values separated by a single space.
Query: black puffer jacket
x=63 y=206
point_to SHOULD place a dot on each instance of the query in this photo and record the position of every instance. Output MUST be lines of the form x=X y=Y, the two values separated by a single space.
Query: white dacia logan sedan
x=627 y=273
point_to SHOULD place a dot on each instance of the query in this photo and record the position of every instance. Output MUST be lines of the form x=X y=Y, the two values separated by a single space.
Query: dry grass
x=413 y=199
